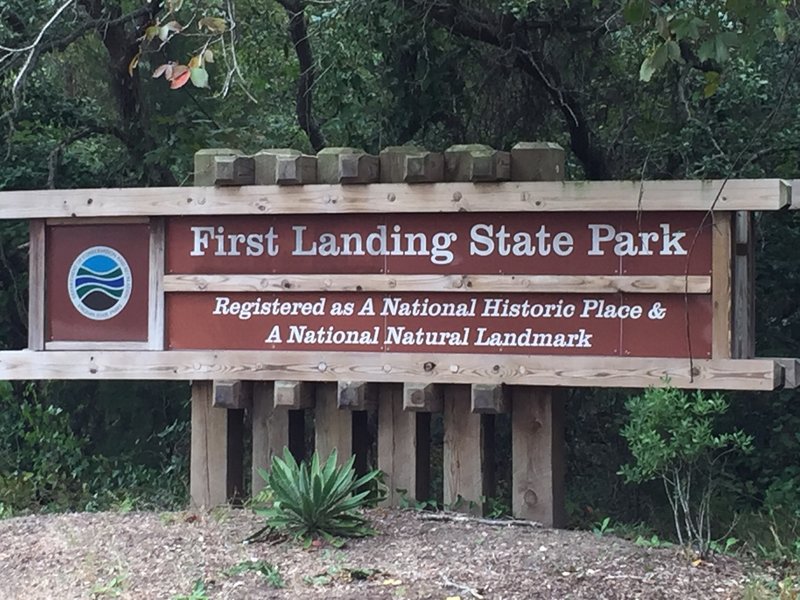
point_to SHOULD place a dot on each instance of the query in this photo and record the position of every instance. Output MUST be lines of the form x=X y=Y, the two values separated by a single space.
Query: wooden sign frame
x=149 y=360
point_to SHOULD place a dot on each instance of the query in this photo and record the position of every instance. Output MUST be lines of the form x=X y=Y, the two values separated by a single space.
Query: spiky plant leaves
x=317 y=499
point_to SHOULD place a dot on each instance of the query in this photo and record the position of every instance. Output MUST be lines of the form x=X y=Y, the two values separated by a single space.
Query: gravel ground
x=150 y=555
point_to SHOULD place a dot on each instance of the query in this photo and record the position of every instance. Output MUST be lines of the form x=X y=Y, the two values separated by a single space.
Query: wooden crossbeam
x=294 y=395
x=177 y=365
x=517 y=196
x=422 y=397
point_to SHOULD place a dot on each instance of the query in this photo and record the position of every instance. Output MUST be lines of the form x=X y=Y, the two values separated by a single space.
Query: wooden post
x=411 y=164
x=465 y=486
x=721 y=276
x=537 y=161
x=270 y=431
x=422 y=397
x=537 y=417
x=205 y=170
x=234 y=170
x=476 y=162
x=36 y=273
x=346 y=165
x=216 y=450
x=537 y=456
x=489 y=399
x=294 y=395
x=284 y=166
x=744 y=292
x=232 y=394
x=403 y=447
x=333 y=428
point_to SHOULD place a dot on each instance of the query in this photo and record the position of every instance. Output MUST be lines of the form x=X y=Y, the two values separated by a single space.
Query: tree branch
x=298 y=32
x=54 y=160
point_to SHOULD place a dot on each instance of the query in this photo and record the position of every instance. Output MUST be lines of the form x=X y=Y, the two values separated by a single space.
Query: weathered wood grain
x=464 y=459
x=744 y=286
x=611 y=284
x=546 y=196
x=295 y=395
x=36 y=274
x=538 y=456
x=721 y=281
x=489 y=399
x=155 y=305
x=357 y=395
x=422 y=397
x=232 y=394
x=333 y=428
x=270 y=432
x=730 y=374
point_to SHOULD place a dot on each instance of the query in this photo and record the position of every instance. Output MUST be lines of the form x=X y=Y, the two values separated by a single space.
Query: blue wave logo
x=99 y=283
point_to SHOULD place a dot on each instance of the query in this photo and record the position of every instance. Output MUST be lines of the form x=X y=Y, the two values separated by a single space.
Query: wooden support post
x=333 y=428
x=232 y=394
x=234 y=170
x=347 y=165
x=403 y=447
x=744 y=286
x=721 y=276
x=411 y=164
x=537 y=161
x=216 y=450
x=489 y=399
x=36 y=274
x=465 y=486
x=422 y=397
x=284 y=166
x=791 y=372
x=270 y=432
x=295 y=395
x=537 y=456
x=205 y=161
x=476 y=162
x=357 y=395
x=155 y=309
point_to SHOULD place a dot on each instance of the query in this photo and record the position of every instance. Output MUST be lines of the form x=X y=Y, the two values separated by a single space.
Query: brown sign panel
x=612 y=243
x=96 y=283
x=642 y=325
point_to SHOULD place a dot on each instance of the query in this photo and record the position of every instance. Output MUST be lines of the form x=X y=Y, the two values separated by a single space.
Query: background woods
x=101 y=93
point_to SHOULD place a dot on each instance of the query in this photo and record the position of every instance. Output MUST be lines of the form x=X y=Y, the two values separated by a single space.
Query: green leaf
x=199 y=77
x=635 y=11
x=674 y=51
x=213 y=24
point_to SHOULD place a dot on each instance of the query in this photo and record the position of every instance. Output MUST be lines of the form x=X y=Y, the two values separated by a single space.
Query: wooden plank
x=583 y=371
x=403 y=448
x=464 y=460
x=234 y=394
x=538 y=456
x=791 y=372
x=744 y=282
x=721 y=281
x=517 y=196
x=294 y=395
x=216 y=451
x=422 y=397
x=489 y=399
x=601 y=284
x=36 y=285
x=155 y=307
x=357 y=395
x=333 y=428
x=270 y=432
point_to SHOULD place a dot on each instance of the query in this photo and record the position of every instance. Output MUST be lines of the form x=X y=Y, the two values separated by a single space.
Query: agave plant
x=311 y=499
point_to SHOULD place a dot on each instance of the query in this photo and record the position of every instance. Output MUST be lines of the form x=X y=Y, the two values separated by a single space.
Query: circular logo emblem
x=99 y=283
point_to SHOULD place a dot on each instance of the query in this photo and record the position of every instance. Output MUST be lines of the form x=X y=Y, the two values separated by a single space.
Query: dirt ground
x=168 y=555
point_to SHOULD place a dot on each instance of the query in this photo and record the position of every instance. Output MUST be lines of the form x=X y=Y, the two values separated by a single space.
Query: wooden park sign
x=412 y=271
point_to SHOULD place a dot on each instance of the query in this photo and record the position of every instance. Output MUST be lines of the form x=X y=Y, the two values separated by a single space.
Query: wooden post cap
x=204 y=163
x=411 y=164
x=422 y=397
x=294 y=395
x=346 y=165
x=234 y=170
x=232 y=394
x=284 y=166
x=537 y=161
x=489 y=399
x=476 y=162
x=357 y=395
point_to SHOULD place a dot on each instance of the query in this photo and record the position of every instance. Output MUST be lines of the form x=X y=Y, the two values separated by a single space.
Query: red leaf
x=179 y=79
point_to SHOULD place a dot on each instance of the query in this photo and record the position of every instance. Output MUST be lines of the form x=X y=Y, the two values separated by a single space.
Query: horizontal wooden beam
x=728 y=374
x=791 y=372
x=668 y=284
x=516 y=196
